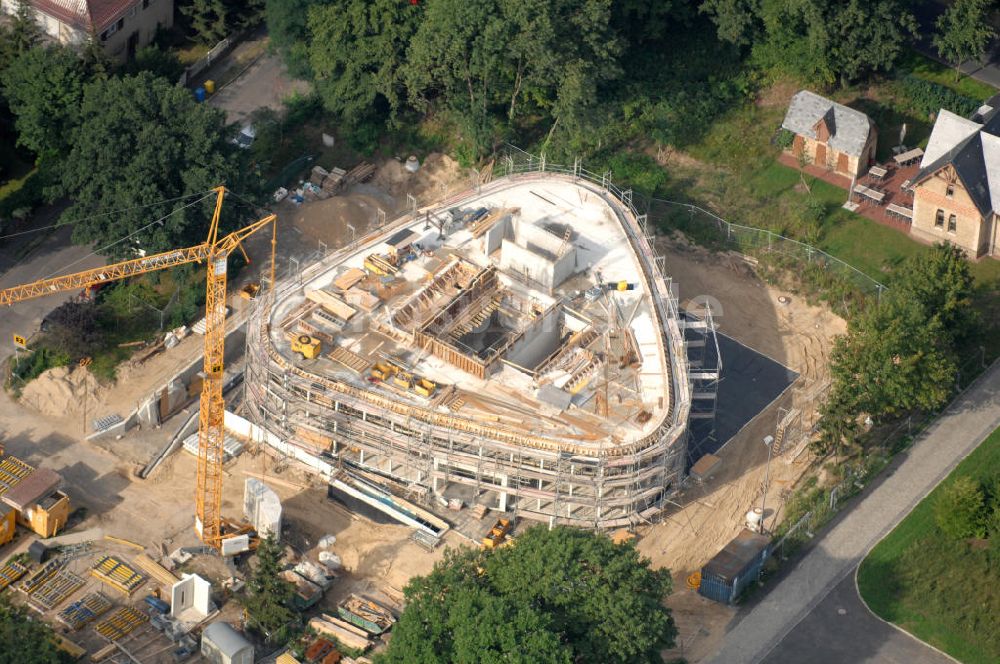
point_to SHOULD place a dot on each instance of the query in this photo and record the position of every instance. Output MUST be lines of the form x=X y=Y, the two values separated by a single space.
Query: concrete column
x=502 y=502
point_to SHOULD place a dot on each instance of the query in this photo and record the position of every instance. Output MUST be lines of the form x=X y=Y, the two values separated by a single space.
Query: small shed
x=221 y=644
x=739 y=563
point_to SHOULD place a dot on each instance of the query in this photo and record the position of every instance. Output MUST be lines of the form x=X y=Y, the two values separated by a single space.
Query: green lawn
x=931 y=70
x=946 y=593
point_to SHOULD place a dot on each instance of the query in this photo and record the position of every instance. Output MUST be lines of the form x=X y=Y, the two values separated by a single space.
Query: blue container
x=199 y=94
x=738 y=565
x=157 y=604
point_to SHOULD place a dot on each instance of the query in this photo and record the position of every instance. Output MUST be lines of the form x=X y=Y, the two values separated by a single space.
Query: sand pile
x=62 y=391
x=439 y=174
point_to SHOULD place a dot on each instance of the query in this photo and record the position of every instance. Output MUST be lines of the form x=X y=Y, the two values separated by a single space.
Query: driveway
x=262 y=80
x=908 y=479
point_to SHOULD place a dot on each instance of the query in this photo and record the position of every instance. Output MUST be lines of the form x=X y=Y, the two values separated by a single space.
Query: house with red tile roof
x=120 y=26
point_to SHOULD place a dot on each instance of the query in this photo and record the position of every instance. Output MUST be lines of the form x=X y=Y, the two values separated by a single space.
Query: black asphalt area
x=750 y=381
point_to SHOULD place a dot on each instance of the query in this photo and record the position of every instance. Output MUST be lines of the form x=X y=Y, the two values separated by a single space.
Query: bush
x=927 y=97
x=959 y=511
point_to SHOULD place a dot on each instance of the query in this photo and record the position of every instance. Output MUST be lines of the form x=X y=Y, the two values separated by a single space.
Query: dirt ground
x=796 y=334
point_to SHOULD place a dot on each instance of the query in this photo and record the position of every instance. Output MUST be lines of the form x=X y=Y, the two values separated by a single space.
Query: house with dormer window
x=956 y=192
x=830 y=135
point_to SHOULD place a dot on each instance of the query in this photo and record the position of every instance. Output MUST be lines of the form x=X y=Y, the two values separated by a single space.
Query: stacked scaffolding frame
x=603 y=484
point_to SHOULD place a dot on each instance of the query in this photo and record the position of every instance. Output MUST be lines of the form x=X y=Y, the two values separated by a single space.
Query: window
x=952 y=223
x=950 y=191
x=939 y=219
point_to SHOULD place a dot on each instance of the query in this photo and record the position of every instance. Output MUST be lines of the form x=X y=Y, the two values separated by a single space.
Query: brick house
x=121 y=26
x=956 y=193
x=831 y=135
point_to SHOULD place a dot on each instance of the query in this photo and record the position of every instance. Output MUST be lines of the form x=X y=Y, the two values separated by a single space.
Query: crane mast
x=215 y=252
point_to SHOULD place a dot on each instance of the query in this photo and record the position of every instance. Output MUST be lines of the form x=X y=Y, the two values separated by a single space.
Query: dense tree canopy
x=560 y=595
x=826 y=41
x=140 y=141
x=214 y=20
x=357 y=50
x=44 y=87
x=26 y=640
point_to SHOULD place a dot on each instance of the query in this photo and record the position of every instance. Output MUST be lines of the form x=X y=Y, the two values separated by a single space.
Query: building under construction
x=518 y=348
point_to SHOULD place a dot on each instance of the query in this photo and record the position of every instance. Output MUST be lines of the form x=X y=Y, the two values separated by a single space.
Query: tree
x=268 y=596
x=941 y=281
x=44 y=88
x=287 y=29
x=209 y=19
x=560 y=595
x=357 y=49
x=26 y=640
x=24 y=32
x=868 y=36
x=892 y=360
x=964 y=32
x=74 y=328
x=156 y=61
x=142 y=141
x=960 y=509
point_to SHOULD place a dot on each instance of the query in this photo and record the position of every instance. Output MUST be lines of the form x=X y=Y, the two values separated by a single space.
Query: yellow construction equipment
x=383 y=371
x=250 y=291
x=424 y=387
x=498 y=533
x=306 y=346
x=214 y=253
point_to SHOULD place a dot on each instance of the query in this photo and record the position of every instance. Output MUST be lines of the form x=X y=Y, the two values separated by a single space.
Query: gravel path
x=907 y=480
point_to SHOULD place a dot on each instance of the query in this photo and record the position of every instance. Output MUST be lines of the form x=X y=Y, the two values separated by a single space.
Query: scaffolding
x=424 y=450
x=705 y=361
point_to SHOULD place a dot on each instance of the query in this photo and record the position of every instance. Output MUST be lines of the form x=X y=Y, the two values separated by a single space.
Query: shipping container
x=725 y=576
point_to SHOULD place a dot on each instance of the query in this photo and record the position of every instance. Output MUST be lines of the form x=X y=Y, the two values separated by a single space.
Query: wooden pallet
x=56 y=590
x=10 y=573
x=349 y=359
x=84 y=611
x=121 y=623
x=117 y=574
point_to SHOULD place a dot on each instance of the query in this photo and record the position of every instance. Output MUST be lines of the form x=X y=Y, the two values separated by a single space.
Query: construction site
x=512 y=352
x=517 y=349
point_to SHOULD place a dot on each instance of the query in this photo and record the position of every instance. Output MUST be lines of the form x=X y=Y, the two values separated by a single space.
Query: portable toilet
x=221 y=644
x=739 y=563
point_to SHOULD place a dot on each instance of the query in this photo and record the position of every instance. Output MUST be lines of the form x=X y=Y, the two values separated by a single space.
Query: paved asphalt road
x=834 y=557
x=841 y=629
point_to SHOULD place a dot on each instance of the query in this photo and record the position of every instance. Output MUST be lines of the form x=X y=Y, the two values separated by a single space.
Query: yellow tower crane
x=214 y=252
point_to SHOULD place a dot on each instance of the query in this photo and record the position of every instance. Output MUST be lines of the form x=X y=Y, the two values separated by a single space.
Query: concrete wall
x=972 y=233
x=526 y=256
x=538 y=342
x=191 y=592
